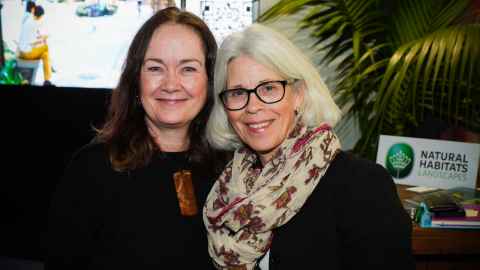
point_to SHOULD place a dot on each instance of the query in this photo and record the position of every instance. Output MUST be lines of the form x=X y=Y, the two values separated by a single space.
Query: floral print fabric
x=247 y=203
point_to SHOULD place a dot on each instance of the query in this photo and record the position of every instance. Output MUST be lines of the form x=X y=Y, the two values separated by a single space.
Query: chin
x=172 y=123
x=262 y=148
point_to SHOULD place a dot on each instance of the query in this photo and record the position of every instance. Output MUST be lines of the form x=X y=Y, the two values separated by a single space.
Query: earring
x=295 y=111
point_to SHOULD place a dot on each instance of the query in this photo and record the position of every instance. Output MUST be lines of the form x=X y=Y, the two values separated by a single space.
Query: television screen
x=88 y=40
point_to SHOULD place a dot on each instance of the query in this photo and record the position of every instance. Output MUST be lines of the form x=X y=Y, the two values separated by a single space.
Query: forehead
x=247 y=71
x=175 y=38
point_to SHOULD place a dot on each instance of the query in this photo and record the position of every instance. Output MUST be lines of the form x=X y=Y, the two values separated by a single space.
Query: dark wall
x=40 y=130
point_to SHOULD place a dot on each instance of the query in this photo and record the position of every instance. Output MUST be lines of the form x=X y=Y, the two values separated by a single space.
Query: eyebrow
x=259 y=82
x=183 y=61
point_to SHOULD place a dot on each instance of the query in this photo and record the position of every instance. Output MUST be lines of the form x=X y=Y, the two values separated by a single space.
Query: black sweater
x=103 y=219
x=353 y=220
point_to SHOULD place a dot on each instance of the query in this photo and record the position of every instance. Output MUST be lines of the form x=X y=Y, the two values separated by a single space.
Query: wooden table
x=436 y=248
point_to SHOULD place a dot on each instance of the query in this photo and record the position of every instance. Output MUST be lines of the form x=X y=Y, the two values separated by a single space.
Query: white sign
x=429 y=163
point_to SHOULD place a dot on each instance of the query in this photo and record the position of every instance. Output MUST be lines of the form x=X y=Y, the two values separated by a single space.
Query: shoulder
x=353 y=178
x=90 y=172
x=84 y=174
x=31 y=22
x=214 y=162
x=221 y=159
x=356 y=183
x=89 y=156
x=90 y=151
x=348 y=165
x=28 y=18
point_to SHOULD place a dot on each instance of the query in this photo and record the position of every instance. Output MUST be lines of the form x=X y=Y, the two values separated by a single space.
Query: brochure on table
x=429 y=163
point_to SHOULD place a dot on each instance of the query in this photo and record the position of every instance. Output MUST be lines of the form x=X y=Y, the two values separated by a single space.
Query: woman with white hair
x=290 y=198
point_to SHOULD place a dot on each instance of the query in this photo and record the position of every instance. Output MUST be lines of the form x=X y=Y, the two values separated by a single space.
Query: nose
x=171 y=82
x=254 y=104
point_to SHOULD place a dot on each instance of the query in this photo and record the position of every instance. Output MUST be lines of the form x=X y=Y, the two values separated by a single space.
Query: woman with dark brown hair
x=131 y=199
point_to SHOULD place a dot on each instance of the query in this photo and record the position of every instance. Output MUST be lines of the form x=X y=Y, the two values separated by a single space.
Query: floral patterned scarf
x=247 y=203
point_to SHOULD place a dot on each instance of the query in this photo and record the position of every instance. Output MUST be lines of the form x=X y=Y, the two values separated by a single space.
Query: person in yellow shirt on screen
x=33 y=42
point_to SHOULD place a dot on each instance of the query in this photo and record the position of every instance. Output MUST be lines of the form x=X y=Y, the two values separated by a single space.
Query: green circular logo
x=399 y=160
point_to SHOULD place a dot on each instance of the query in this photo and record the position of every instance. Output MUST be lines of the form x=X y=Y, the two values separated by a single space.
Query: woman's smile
x=259 y=126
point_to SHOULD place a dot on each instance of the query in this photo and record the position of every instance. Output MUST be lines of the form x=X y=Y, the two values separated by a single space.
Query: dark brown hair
x=124 y=132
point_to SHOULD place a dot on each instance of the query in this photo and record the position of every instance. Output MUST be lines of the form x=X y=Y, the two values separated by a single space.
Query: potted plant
x=8 y=72
x=398 y=60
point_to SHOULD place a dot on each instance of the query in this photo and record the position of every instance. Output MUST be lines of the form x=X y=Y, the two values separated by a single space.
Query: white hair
x=275 y=51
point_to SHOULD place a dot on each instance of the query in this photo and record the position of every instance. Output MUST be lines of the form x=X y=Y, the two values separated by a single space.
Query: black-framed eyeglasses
x=267 y=92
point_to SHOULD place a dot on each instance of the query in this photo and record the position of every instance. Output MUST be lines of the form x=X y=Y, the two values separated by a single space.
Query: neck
x=170 y=139
x=265 y=158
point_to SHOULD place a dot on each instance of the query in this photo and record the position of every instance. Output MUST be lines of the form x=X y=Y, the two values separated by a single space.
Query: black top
x=353 y=220
x=103 y=219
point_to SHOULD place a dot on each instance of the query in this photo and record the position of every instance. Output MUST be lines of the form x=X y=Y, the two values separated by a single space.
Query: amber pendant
x=185 y=193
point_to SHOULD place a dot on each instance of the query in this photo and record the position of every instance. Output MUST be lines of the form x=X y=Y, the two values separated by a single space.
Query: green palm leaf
x=450 y=80
x=395 y=68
